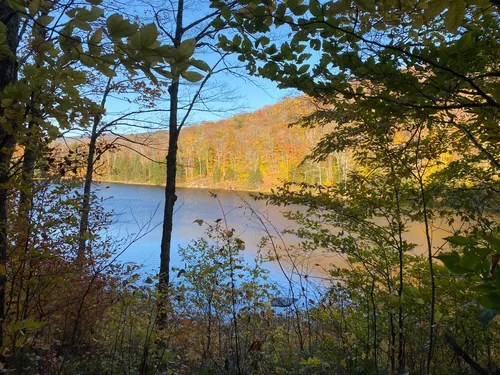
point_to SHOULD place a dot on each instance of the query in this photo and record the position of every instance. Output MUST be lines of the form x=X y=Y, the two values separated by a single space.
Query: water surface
x=139 y=209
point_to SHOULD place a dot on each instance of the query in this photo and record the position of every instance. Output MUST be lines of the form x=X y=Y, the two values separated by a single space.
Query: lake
x=137 y=206
x=141 y=206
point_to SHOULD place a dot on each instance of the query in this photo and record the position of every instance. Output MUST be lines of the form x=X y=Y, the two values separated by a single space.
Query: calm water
x=139 y=209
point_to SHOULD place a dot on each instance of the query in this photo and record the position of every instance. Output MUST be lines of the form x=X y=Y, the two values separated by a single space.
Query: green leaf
x=120 y=28
x=461 y=240
x=87 y=60
x=90 y=15
x=494 y=242
x=292 y=4
x=168 y=52
x=263 y=41
x=44 y=20
x=3 y=36
x=187 y=48
x=109 y=58
x=106 y=70
x=300 y=10
x=237 y=40
x=226 y=12
x=451 y=260
x=218 y=23
x=31 y=324
x=82 y=25
x=165 y=73
x=145 y=38
x=200 y=64
x=435 y=7
x=368 y=5
x=455 y=15
x=94 y=2
x=303 y=69
x=17 y=5
x=338 y=7
x=480 y=3
x=150 y=56
x=491 y=301
x=192 y=76
x=34 y=7
x=96 y=38
x=53 y=131
x=315 y=8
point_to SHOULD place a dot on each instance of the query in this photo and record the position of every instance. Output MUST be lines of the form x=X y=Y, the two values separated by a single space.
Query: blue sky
x=250 y=95
x=244 y=94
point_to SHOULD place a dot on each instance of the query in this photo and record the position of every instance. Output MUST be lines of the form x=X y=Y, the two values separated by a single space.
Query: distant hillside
x=253 y=151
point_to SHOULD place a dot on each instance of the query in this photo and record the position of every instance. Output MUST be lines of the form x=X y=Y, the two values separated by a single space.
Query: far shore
x=183 y=185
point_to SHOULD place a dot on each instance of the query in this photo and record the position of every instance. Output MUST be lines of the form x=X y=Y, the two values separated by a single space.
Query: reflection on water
x=137 y=206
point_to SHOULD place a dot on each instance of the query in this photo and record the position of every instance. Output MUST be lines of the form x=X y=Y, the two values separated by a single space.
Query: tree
x=103 y=125
x=46 y=100
x=22 y=99
x=382 y=64
x=185 y=40
x=371 y=53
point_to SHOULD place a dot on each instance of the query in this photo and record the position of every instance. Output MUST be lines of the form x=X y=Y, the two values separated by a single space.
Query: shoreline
x=184 y=186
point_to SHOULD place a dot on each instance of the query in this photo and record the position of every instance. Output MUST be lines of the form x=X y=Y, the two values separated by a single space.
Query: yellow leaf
x=384 y=346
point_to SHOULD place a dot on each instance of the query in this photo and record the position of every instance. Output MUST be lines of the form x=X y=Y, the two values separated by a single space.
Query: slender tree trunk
x=494 y=162
x=375 y=333
x=392 y=343
x=26 y=195
x=433 y=282
x=8 y=75
x=84 y=220
x=170 y=196
x=29 y=160
x=466 y=357
x=401 y=338
x=89 y=176
x=31 y=151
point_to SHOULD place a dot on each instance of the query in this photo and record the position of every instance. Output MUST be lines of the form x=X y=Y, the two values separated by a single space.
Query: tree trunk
x=8 y=75
x=401 y=337
x=170 y=197
x=84 y=220
x=89 y=176
x=431 y=274
x=29 y=160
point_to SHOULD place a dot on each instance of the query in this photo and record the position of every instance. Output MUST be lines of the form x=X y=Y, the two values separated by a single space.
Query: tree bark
x=173 y=137
x=401 y=337
x=28 y=171
x=431 y=274
x=464 y=355
x=84 y=219
x=170 y=193
x=8 y=75
x=89 y=176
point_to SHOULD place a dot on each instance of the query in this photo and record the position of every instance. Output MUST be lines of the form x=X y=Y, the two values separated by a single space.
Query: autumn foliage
x=254 y=151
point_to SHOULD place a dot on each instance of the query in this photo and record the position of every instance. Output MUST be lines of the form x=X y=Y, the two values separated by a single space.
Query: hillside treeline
x=253 y=151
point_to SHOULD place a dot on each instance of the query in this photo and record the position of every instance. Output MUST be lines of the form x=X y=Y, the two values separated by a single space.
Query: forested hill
x=253 y=151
